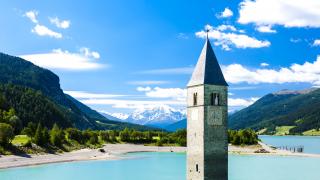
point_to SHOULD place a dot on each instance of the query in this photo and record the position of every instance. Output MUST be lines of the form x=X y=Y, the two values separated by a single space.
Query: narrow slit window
x=212 y=95
x=197 y=168
x=216 y=101
x=195 y=99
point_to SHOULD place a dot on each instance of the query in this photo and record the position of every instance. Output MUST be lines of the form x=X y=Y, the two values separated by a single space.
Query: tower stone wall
x=207 y=113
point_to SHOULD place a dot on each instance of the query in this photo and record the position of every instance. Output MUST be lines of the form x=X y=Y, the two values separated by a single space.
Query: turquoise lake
x=171 y=166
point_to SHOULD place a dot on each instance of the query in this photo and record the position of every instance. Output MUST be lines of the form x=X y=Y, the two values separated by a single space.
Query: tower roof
x=207 y=70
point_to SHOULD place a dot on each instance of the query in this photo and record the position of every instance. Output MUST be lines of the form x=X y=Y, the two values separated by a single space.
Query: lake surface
x=169 y=166
x=311 y=144
x=172 y=166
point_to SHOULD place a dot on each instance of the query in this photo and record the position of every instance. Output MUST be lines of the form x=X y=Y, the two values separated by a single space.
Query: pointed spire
x=207 y=70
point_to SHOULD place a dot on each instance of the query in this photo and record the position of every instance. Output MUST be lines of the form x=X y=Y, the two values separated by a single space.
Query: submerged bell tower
x=207 y=110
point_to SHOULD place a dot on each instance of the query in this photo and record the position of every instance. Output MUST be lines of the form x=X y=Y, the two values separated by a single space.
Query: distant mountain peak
x=114 y=116
x=158 y=116
x=121 y=116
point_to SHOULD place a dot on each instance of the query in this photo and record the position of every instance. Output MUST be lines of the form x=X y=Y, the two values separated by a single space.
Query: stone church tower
x=207 y=104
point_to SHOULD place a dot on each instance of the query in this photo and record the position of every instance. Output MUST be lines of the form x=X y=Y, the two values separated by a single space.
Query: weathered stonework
x=207 y=107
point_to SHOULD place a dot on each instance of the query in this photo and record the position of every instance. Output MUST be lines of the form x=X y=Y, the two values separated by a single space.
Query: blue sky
x=116 y=56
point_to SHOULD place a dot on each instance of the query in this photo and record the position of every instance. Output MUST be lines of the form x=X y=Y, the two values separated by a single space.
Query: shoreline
x=291 y=135
x=116 y=151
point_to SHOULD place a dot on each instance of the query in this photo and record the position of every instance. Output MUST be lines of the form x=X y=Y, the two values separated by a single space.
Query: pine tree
x=38 y=136
x=56 y=136
x=45 y=135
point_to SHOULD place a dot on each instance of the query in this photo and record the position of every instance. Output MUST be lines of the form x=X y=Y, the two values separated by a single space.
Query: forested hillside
x=299 y=110
x=35 y=95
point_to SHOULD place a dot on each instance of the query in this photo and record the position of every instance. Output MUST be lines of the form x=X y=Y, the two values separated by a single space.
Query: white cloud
x=142 y=89
x=44 y=31
x=90 y=54
x=148 y=82
x=131 y=104
x=304 y=73
x=288 y=13
x=226 y=13
x=87 y=95
x=239 y=102
x=226 y=39
x=174 y=93
x=316 y=42
x=309 y=72
x=32 y=15
x=180 y=95
x=266 y=29
x=39 y=29
x=264 y=64
x=169 y=71
x=136 y=104
x=163 y=96
x=224 y=27
x=59 y=59
x=64 y=24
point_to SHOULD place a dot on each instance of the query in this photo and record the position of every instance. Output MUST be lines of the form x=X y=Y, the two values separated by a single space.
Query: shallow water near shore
x=169 y=166
x=311 y=144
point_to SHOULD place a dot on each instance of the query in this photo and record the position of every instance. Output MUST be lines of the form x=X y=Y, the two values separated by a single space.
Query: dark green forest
x=301 y=110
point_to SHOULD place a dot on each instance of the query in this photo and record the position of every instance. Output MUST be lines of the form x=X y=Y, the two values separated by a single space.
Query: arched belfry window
x=214 y=99
x=195 y=99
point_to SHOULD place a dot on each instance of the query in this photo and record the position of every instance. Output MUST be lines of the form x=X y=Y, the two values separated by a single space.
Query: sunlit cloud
x=228 y=39
x=264 y=64
x=64 y=24
x=65 y=60
x=316 y=42
x=44 y=31
x=39 y=29
x=287 y=13
x=265 y=29
x=309 y=72
x=225 y=13
x=32 y=15
x=88 y=95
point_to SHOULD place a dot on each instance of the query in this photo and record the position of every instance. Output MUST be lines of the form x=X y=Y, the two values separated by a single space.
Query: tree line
x=242 y=137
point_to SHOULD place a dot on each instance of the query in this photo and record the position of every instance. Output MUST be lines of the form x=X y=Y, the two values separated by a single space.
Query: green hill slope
x=33 y=106
x=26 y=86
x=300 y=109
x=182 y=124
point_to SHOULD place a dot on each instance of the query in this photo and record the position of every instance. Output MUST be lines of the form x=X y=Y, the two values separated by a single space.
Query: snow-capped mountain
x=115 y=116
x=121 y=116
x=157 y=116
